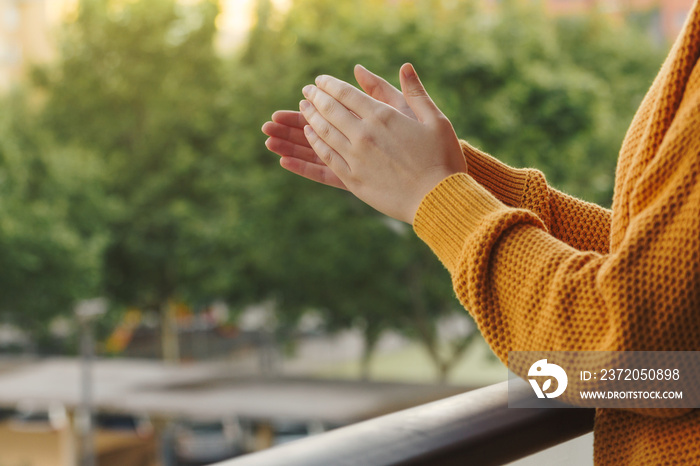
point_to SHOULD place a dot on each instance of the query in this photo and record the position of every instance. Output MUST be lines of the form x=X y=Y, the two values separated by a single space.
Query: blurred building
x=663 y=18
x=670 y=15
x=27 y=27
x=28 y=31
x=24 y=38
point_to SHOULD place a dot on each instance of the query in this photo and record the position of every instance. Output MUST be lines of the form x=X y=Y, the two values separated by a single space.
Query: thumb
x=416 y=95
x=378 y=88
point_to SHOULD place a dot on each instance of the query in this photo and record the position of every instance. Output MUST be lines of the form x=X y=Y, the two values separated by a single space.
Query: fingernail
x=308 y=130
x=307 y=90
x=319 y=79
x=304 y=105
x=409 y=71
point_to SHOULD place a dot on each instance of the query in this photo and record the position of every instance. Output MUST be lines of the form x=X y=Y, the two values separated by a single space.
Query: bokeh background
x=232 y=306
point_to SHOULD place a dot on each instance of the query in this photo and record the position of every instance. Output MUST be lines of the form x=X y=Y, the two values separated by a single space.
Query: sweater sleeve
x=580 y=224
x=531 y=291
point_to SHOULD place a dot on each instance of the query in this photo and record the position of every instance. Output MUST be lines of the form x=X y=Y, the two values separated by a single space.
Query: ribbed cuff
x=450 y=212
x=503 y=181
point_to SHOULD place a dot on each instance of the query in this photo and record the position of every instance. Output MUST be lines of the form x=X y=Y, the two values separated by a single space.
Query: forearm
x=529 y=291
x=580 y=224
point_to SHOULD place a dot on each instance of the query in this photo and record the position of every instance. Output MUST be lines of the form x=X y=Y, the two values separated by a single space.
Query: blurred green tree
x=52 y=233
x=198 y=208
x=141 y=86
x=534 y=92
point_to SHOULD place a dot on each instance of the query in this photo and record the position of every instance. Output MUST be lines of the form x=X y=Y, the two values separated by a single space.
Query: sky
x=236 y=18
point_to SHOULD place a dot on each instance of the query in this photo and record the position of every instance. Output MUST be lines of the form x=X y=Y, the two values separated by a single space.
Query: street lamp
x=87 y=311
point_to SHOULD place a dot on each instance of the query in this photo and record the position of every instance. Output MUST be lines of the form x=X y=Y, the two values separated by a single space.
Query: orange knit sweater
x=541 y=270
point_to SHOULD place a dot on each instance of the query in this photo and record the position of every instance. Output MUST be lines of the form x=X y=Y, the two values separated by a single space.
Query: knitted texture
x=542 y=271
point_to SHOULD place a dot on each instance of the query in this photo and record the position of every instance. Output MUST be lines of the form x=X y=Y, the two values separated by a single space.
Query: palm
x=287 y=139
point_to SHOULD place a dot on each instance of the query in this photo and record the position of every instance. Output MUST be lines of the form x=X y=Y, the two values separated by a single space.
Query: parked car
x=288 y=431
x=127 y=423
x=39 y=416
x=206 y=441
x=6 y=413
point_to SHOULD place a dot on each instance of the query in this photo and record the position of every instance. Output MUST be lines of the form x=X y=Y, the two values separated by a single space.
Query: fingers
x=416 y=95
x=287 y=139
x=349 y=96
x=327 y=107
x=285 y=148
x=294 y=135
x=378 y=88
x=289 y=118
x=314 y=172
x=326 y=153
x=326 y=116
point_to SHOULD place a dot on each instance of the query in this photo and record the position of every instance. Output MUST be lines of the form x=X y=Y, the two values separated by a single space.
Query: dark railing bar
x=476 y=428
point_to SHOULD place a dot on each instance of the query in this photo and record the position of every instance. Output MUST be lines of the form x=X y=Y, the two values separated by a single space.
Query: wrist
x=501 y=180
x=431 y=180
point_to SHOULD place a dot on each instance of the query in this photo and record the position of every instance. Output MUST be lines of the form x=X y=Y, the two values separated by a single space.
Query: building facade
x=25 y=35
x=664 y=18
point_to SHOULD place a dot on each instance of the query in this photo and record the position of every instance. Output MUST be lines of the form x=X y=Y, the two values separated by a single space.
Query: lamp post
x=87 y=311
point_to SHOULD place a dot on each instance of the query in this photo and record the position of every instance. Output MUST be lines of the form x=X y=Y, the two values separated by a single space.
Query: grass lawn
x=478 y=367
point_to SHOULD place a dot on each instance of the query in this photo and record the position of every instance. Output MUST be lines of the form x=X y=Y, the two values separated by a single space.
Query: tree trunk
x=444 y=363
x=170 y=343
x=371 y=335
x=443 y=371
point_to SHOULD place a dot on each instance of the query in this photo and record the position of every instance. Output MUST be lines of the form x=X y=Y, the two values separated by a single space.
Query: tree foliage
x=51 y=234
x=143 y=175
x=140 y=85
x=529 y=90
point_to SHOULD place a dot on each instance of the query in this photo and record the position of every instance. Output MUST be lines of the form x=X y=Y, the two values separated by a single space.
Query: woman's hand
x=286 y=136
x=386 y=158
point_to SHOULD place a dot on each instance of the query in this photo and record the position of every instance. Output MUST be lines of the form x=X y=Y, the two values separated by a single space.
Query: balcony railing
x=476 y=427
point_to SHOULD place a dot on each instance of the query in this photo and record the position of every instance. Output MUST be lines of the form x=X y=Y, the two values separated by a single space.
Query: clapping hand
x=389 y=148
